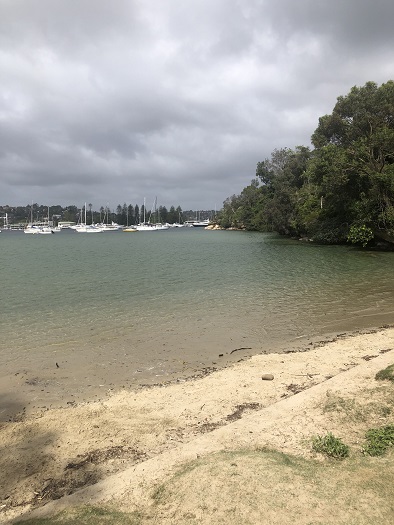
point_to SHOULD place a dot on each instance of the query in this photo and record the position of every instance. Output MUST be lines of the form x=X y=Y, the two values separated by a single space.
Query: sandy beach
x=116 y=452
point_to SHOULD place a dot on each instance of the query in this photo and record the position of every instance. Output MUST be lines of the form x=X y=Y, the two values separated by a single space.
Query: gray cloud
x=116 y=101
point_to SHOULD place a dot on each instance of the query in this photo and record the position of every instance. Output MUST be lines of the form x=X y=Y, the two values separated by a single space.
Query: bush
x=330 y=446
x=379 y=440
x=360 y=235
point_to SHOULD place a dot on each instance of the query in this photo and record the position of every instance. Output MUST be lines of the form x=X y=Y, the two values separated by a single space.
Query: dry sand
x=118 y=451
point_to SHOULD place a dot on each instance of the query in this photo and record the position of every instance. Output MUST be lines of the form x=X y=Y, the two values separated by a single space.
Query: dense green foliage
x=342 y=190
x=330 y=446
x=378 y=440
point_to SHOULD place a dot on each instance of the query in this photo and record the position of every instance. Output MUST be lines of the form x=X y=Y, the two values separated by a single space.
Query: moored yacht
x=146 y=227
x=45 y=230
x=88 y=228
x=82 y=227
x=31 y=228
x=199 y=224
x=113 y=227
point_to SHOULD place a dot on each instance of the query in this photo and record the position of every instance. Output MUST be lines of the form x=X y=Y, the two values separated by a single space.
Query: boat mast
x=154 y=210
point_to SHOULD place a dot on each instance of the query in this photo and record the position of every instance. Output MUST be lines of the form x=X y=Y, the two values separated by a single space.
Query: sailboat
x=198 y=223
x=86 y=228
x=107 y=227
x=203 y=223
x=46 y=229
x=149 y=226
x=40 y=228
x=145 y=226
x=30 y=228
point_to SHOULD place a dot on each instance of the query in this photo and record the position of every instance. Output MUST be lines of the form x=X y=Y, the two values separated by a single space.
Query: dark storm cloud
x=116 y=101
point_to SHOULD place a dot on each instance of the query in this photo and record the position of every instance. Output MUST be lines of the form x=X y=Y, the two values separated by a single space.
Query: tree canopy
x=342 y=190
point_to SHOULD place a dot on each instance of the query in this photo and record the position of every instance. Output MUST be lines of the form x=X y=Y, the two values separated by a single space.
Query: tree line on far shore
x=125 y=214
x=340 y=191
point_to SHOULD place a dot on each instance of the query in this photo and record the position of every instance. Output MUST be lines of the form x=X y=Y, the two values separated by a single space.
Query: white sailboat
x=86 y=228
x=145 y=226
x=198 y=223
x=89 y=228
x=107 y=226
x=113 y=227
x=46 y=229
x=41 y=228
x=204 y=223
x=149 y=226
x=30 y=228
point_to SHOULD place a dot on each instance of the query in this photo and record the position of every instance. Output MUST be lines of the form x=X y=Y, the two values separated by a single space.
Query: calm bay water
x=123 y=308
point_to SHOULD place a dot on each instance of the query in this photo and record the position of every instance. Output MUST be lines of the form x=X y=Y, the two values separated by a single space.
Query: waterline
x=121 y=310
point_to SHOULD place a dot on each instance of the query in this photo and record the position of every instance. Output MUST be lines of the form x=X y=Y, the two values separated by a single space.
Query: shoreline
x=54 y=452
x=29 y=393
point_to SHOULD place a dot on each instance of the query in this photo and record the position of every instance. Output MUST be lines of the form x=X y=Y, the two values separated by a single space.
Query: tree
x=282 y=177
x=163 y=214
x=119 y=212
x=172 y=215
x=131 y=214
x=124 y=216
x=242 y=211
x=341 y=191
x=179 y=217
x=353 y=164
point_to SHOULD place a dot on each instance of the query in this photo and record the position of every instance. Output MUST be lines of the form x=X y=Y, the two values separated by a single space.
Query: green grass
x=386 y=374
x=379 y=440
x=331 y=446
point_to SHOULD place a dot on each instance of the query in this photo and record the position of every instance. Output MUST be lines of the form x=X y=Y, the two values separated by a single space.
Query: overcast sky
x=111 y=101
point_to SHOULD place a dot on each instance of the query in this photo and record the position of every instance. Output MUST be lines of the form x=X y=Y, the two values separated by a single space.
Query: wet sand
x=37 y=385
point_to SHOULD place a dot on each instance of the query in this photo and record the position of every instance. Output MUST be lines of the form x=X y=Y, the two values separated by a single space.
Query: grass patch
x=247 y=487
x=88 y=516
x=379 y=440
x=387 y=374
x=159 y=494
x=352 y=411
x=331 y=446
x=348 y=408
x=250 y=486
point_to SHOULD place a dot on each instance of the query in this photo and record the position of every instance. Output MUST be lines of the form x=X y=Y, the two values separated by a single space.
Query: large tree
x=353 y=165
x=269 y=203
x=283 y=178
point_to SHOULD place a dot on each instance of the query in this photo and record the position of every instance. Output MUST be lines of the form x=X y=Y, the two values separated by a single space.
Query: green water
x=159 y=301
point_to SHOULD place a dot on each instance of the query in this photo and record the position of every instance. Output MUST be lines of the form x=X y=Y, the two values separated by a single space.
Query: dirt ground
x=231 y=447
